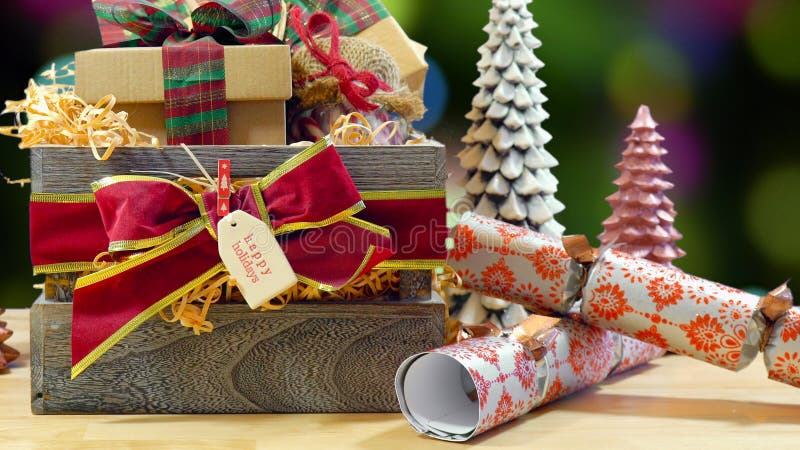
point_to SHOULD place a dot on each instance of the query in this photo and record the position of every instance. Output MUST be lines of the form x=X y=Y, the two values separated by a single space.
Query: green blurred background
x=721 y=76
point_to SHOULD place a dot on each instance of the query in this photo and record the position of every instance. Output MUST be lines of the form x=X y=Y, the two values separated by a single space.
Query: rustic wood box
x=305 y=358
x=308 y=357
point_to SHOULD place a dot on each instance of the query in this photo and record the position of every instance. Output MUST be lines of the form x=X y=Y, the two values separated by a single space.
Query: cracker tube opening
x=433 y=401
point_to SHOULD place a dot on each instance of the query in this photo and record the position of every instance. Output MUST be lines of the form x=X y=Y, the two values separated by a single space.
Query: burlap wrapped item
x=362 y=55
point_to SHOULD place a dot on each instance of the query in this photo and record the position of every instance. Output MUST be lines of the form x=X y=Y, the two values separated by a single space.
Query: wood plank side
x=71 y=169
x=304 y=358
x=37 y=345
x=37 y=169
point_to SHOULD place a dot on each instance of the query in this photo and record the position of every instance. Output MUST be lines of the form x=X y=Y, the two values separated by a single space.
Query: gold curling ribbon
x=98 y=263
x=355 y=129
x=21 y=181
x=448 y=278
x=55 y=115
x=186 y=311
x=190 y=315
x=371 y=285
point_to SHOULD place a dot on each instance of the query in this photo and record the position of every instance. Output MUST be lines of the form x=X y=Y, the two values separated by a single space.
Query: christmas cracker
x=459 y=391
x=659 y=305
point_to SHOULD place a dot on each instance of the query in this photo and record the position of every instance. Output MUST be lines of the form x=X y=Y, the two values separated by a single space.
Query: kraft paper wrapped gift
x=258 y=83
x=409 y=55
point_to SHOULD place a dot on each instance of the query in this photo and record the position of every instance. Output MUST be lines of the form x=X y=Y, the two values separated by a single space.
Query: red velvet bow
x=356 y=86
x=309 y=202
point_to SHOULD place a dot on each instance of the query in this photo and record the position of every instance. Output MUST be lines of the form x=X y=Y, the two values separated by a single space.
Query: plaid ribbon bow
x=193 y=55
x=352 y=16
x=143 y=23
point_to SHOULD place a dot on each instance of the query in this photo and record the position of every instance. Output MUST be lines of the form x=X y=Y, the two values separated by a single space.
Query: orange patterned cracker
x=501 y=379
x=650 y=303
x=664 y=306
x=515 y=264
x=782 y=353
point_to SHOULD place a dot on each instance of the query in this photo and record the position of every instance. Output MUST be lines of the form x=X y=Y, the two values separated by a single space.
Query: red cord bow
x=356 y=86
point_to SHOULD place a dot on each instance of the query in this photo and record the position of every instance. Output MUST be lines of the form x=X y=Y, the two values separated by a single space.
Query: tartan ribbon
x=352 y=16
x=153 y=23
x=195 y=99
x=193 y=56
x=354 y=85
x=173 y=236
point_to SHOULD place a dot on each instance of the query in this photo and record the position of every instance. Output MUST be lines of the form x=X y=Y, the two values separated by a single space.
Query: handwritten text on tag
x=254 y=258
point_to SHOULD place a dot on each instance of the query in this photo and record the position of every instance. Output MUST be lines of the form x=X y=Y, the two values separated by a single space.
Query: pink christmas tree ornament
x=642 y=218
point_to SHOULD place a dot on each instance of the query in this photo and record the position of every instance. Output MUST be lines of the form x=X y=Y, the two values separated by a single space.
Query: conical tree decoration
x=642 y=218
x=508 y=168
x=7 y=354
x=472 y=309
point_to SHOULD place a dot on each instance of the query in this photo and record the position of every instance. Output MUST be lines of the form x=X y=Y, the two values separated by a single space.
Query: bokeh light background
x=721 y=76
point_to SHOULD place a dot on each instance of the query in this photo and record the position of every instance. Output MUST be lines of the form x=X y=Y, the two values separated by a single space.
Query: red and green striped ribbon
x=352 y=16
x=195 y=105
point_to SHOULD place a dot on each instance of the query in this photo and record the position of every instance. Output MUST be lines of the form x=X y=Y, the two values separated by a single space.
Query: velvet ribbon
x=415 y=220
x=170 y=235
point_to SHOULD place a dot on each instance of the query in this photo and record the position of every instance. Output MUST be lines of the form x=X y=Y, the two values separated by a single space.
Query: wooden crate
x=305 y=358
x=308 y=357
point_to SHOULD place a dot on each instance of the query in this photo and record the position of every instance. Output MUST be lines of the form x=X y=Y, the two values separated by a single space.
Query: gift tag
x=254 y=258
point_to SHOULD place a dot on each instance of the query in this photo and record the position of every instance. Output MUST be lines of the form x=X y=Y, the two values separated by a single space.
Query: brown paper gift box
x=258 y=82
x=409 y=55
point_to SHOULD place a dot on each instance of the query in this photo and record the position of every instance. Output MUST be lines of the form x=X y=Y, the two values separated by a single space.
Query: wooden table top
x=671 y=403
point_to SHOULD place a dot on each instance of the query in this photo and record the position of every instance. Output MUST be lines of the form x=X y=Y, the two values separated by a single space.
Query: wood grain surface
x=322 y=357
x=70 y=170
x=671 y=403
